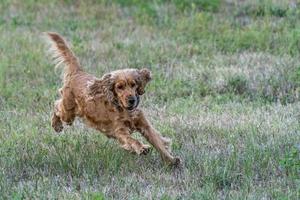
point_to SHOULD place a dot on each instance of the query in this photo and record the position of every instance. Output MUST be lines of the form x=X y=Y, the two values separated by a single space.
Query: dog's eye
x=120 y=87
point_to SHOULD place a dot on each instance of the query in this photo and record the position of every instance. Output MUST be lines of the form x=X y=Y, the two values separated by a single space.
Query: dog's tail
x=62 y=54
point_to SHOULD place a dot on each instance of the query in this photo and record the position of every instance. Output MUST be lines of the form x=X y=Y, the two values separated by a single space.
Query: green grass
x=226 y=89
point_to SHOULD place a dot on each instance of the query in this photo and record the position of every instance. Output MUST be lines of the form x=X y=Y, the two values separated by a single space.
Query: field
x=225 y=88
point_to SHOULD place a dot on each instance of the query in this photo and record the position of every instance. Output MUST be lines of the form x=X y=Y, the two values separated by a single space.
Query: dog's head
x=123 y=87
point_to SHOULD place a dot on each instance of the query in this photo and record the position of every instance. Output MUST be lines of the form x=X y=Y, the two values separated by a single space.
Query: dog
x=108 y=104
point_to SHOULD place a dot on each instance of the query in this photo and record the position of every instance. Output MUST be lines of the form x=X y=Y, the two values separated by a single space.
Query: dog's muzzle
x=133 y=102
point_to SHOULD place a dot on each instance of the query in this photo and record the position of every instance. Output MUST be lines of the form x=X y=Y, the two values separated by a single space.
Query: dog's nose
x=131 y=100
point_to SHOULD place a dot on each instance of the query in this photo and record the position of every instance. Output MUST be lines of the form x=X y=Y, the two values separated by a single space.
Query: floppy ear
x=143 y=78
x=94 y=87
x=108 y=87
x=105 y=85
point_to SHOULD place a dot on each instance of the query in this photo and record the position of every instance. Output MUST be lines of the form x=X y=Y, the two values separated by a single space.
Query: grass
x=226 y=89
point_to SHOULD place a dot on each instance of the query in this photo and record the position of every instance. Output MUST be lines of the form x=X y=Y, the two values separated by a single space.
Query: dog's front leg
x=158 y=141
x=122 y=134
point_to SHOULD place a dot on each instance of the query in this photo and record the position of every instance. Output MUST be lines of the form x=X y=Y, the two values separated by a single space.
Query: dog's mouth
x=135 y=105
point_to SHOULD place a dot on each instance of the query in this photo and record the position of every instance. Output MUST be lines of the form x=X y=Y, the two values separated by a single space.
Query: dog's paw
x=57 y=124
x=141 y=149
x=176 y=161
x=58 y=127
x=145 y=149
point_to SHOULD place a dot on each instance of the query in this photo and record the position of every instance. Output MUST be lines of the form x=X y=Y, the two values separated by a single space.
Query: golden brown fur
x=108 y=104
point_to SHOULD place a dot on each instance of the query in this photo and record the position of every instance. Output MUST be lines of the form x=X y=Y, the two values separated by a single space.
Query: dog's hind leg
x=64 y=110
x=56 y=122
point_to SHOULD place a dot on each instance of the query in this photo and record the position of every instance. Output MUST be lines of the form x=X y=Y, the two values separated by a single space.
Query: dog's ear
x=94 y=87
x=105 y=85
x=108 y=87
x=144 y=76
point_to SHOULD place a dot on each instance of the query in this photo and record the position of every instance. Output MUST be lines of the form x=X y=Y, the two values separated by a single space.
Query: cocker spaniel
x=108 y=104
